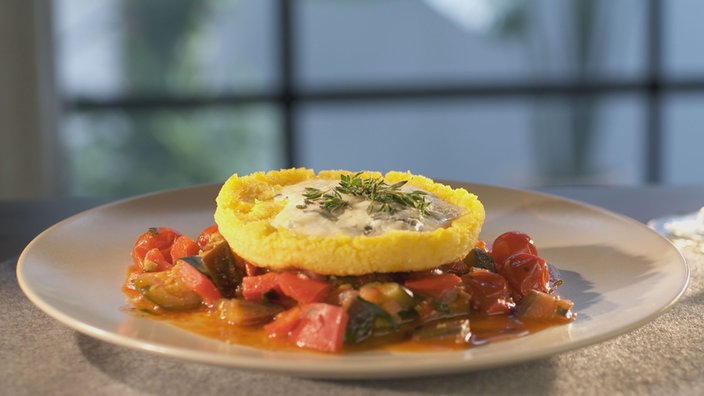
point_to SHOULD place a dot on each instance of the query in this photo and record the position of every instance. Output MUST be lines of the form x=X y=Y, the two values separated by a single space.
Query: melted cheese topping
x=357 y=219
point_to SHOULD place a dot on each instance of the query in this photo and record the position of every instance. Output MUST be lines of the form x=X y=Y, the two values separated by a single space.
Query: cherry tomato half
x=154 y=261
x=205 y=236
x=510 y=243
x=161 y=238
x=525 y=272
x=489 y=292
x=183 y=246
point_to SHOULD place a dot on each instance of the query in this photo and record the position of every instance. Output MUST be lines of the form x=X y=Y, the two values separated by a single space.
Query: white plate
x=619 y=273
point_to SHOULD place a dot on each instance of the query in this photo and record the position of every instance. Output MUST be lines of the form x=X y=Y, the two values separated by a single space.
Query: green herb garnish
x=384 y=198
x=330 y=201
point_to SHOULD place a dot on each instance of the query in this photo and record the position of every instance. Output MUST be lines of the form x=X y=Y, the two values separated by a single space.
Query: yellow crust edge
x=245 y=208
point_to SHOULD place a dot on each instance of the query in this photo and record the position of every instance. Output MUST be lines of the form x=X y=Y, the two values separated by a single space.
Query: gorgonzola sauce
x=356 y=219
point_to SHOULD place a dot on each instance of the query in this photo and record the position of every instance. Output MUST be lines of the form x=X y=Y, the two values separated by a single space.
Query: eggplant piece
x=541 y=306
x=365 y=318
x=247 y=312
x=456 y=330
x=481 y=259
x=222 y=268
x=166 y=290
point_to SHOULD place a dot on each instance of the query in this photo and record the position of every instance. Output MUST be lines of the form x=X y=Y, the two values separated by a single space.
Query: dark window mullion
x=342 y=94
x=287 y=89
x=653 y=156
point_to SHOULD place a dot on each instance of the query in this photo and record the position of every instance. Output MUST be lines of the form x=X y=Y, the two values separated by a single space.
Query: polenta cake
x=279 y=220
x=343 y=261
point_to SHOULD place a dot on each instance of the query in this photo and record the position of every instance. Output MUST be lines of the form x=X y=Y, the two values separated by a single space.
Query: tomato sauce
x=485 y=329
x=457 y=306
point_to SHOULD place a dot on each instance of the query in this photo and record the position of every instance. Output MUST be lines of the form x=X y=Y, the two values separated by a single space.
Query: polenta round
x=248 y=206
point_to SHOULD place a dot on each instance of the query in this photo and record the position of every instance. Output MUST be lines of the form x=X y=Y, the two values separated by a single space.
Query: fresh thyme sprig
x=330 y=201
x=383 y=197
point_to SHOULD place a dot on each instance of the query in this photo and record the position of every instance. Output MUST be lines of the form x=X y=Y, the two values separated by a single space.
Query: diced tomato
x=434 y=285
x=321 y=327
x=154 y=261
x=255 y=287
x=489 y=292
x=303 y=289
x=197 y=282
x=420 y=274
x=205 y=236
x=183 y=247
x=283 y=323
x=158 y=237
x=510 y=243
x=525 y=272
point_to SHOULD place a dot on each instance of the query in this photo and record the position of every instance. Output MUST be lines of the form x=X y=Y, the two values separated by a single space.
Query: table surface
x=41 y=356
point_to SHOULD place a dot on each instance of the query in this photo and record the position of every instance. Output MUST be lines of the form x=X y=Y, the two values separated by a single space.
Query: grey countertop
x=41 y=356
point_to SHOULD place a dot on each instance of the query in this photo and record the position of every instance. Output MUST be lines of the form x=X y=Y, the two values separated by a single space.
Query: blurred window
x=167 y=93
x=438 y=42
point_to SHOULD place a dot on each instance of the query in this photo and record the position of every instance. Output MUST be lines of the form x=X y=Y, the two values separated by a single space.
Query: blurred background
x=119 y=97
